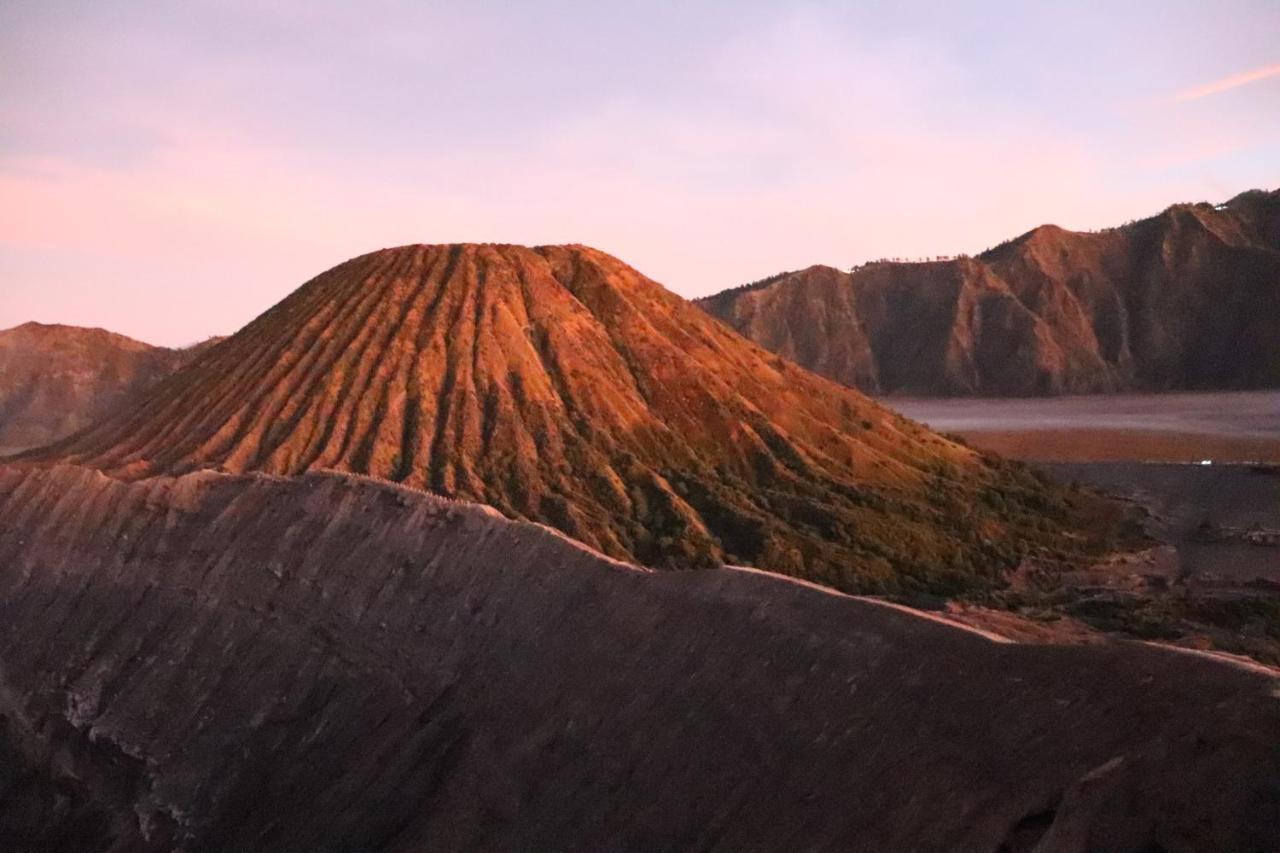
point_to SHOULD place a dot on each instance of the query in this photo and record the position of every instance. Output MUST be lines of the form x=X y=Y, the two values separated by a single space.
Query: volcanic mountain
x=1188 y=299
x=57 y=379
x=558 y=384
x=325 y=663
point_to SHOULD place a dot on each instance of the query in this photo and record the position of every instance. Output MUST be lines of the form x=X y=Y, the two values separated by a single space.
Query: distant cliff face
x=1188 y=299
x=556 y=383
x=55 y=380
x=321 y=662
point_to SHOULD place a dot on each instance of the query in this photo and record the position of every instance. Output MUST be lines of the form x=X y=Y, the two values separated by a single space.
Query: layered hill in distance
x=322 y=662
x=1187 y=299
x=55 y=379
x=560 y=385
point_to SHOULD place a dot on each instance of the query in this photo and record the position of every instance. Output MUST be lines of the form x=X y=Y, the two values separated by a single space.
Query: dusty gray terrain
x=1225 y=426
x=325 y=662
x=1218 y=517
x=1210 y=580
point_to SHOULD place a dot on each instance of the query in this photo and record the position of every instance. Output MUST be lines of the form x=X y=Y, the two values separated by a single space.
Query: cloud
x=1244 y=78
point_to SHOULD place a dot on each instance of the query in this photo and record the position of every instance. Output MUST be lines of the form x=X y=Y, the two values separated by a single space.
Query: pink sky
x=171 y=170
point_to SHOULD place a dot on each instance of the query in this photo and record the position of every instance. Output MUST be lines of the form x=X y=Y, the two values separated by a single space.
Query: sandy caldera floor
x=1234 y=426
x=1211 y=579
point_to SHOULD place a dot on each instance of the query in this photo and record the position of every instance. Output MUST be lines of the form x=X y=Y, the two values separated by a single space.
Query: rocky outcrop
x=1188 y=299
x=55 y=380
x=560 y=385
x=328 y=663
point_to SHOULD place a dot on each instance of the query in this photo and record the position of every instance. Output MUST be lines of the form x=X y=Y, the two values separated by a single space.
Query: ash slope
x=1188 y=299
x=560 y=385
x=55 y=380
x=345 y=665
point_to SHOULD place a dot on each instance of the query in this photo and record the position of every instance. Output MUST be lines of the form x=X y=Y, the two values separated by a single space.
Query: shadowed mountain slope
x=57 y=379
x=1188 y=299
x=326 y=663
x=558 y=384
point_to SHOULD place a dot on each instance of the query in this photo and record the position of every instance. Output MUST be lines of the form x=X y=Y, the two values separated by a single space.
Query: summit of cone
x=558 y=384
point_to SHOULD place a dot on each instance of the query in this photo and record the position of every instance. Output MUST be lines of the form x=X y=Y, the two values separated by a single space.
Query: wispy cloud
x=1244 y=78
x=706 y=148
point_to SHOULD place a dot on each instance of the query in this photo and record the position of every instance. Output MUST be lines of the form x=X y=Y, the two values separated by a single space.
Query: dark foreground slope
x=1188 y=299
x=325 y=663
x=57 y=379
x=558 y=384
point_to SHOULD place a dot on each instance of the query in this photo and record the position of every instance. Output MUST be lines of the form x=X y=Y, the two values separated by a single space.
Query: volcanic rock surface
x=329 y=663
x=55 y=380
x=560 y=385
x=1188 y=299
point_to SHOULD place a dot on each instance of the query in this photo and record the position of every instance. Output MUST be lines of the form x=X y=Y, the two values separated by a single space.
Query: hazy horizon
x=171 y=172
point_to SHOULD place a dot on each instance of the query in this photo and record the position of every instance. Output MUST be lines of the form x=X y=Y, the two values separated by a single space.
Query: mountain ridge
x=56 y=379
x=1186 y=299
